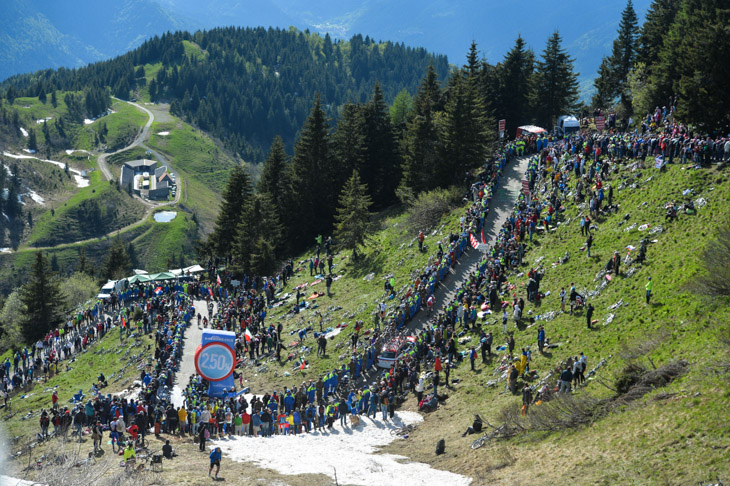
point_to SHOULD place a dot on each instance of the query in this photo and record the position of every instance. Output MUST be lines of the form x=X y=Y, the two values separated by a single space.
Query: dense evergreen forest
x=678 y=59
x=247 y=85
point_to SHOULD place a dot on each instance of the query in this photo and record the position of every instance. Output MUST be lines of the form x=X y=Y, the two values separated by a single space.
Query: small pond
x=165 y=216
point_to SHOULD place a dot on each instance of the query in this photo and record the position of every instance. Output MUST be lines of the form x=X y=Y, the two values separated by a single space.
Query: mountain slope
x=588 y=29
x=39 y=34
x=245 y=86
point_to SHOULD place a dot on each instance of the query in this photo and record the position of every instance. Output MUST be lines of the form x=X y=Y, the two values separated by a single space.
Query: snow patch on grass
x=349 y=451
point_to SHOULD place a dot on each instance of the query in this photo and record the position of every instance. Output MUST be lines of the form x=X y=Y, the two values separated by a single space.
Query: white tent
x=187 y=270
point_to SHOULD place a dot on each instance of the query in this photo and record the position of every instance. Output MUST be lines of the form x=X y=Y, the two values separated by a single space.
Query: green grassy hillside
x=203 y=166
x=673 y=425
x=167 y=245
x=92 y=211
x=672 y=435
x=110 y=355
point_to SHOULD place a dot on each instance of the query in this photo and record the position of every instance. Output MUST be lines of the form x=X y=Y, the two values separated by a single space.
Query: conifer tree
x=117 y=264
x=263 y=258
x=696 y=67
x=421 y=142
x=349 y=142
x=132 y=254
x=614 y=71
x=515 y=75
x=235 y=198
x=258 y=233
x=43 y=302
x=313 y=171
x=32 y=141
x=605 y=90
x=54 y=263
x=276 y=181
x=353 y=215
x=382 y=160
x=659 y=19
x=556 y=84
x=83 y=264
x=47 y=135
x=465 y=134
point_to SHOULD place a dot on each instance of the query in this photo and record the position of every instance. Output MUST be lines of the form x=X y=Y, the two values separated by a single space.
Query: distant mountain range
x=36 y=34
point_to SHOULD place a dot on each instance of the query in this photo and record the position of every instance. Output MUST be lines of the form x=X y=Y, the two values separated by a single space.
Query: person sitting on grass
x=129 y=454
x=167 y=451
x=475 y=428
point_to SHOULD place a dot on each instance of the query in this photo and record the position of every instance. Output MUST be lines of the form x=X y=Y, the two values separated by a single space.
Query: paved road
x=192 y=340
x=502 y=205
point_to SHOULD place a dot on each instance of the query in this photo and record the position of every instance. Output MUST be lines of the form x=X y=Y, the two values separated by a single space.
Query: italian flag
x=247 y=335
x=124 y=323
x=218 y=279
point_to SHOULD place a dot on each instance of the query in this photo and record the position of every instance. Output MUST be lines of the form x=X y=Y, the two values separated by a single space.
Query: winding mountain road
x=104 y=167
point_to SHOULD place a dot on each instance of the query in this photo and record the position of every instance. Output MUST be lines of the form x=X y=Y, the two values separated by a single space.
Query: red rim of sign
x=216 y=343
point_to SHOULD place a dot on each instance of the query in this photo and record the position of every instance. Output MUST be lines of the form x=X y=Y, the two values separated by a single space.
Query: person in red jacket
x=133 y=430
x=245 y=422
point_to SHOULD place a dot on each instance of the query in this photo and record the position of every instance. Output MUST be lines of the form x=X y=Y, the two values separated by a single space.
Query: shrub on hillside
x=10 y=322
x=715 y=280
x=429 y=207
x=79 y=288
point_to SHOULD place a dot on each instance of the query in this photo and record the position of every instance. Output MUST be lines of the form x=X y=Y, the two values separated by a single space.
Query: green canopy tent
x=162 y=276
x=139 y=279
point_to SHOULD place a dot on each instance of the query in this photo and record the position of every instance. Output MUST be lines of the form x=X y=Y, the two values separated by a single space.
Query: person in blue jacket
x=215 y=460
x=288 y=402
x=297 y=422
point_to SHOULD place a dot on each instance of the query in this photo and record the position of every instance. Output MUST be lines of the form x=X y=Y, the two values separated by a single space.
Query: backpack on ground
x=440 y=447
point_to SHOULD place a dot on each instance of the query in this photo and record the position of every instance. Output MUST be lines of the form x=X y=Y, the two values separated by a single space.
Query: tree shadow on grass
x=372 y=262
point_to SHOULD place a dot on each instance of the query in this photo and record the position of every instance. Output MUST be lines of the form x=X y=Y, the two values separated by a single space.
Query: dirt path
x=101 y=160
x=192 y=340
x=502 y=205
